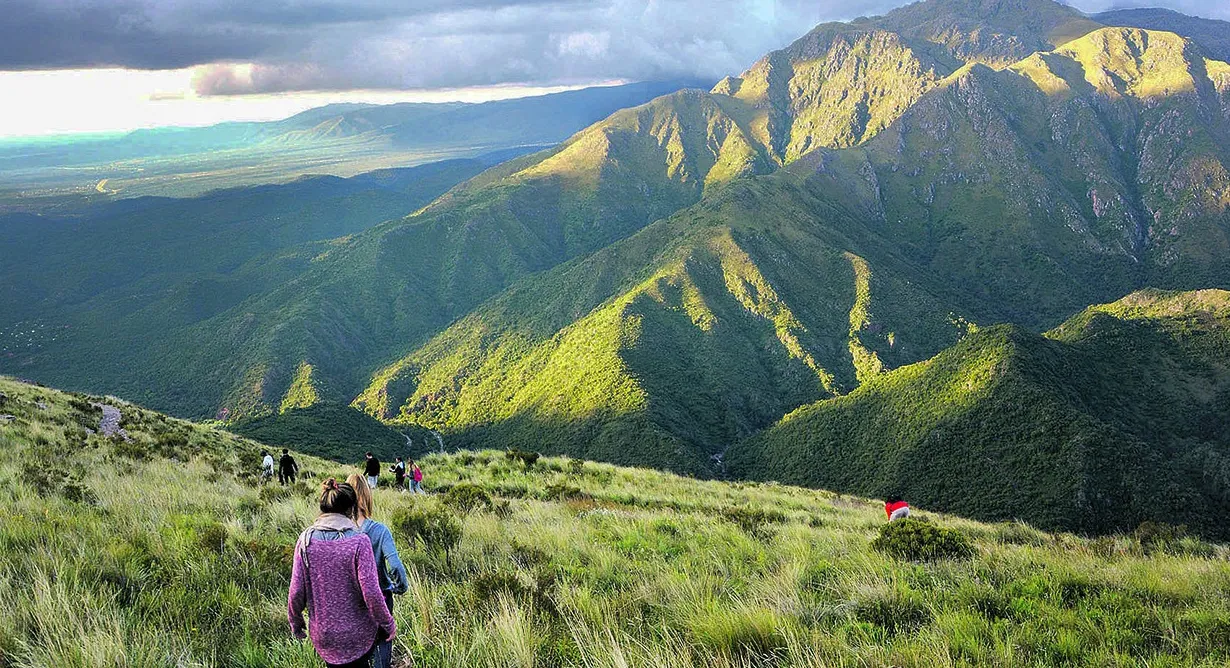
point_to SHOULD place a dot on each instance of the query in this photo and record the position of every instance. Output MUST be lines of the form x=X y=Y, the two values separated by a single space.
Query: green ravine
x=1117 y=417
x=166 y=550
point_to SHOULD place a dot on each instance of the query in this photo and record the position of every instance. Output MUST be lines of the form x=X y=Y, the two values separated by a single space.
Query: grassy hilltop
x=163 y=551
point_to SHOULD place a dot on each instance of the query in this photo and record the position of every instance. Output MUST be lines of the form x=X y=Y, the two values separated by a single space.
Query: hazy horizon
x=119 y=65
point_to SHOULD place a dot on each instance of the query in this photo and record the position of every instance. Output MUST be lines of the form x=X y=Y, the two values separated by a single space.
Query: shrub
x=130 y=449
x=467 y=497
x=212 y=537
x=171 y=443
x=525 y=457
x=529 y=556
x=755 y=521
x=273 y=493
x=74 y=489
x=748 y=635
x=488 y=587
x=895 y=612
x=915 y=540
x=38 y=478
x=563 y=492
x=576 y=466
x=1158 y=536
x=250 y=462
x=436 y=528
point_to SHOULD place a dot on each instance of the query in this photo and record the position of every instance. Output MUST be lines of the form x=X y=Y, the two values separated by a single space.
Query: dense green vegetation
x=165 y=551
x=1115 y=418
x=337 y=432
x=694 y=335
x=86 y=298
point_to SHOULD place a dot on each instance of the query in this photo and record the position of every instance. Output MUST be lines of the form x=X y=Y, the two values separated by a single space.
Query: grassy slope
x=184 y=561
x=1114 y=418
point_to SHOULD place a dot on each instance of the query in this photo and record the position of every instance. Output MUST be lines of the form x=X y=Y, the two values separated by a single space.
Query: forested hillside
x=1117 y=417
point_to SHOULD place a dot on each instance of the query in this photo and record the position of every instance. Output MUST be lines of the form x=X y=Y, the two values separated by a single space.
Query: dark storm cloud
x=347 y=44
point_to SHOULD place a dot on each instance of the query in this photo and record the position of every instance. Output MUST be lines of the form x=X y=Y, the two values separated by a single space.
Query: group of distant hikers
x=288 y=471
x=346 y=568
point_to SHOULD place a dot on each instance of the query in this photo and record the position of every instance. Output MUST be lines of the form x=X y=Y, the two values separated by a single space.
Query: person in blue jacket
x=392 y=573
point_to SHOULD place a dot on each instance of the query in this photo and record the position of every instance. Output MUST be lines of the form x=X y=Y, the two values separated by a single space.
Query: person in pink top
x=416 y=478
x=334 y=580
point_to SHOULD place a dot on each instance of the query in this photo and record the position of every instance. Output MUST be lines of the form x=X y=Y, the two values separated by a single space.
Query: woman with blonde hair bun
x=334 y=581
x=392 y=573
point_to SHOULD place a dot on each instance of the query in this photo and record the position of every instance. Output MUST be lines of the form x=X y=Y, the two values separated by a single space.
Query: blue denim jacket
x=388 y=565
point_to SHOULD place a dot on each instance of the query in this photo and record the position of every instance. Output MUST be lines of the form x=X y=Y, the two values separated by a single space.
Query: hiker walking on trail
x=266 y=466
x=399 y=475
x=391 y=572
x=371 y=469
x=334 y=579
x=896 y=509
x=288 y=468
x=416 y=478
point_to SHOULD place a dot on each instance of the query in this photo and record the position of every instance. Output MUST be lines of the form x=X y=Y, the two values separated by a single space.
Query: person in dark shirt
x=399 y=475
x=371 y=469
x=288 y=468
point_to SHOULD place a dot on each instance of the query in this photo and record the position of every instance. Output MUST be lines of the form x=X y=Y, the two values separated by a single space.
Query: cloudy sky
x=97 y=65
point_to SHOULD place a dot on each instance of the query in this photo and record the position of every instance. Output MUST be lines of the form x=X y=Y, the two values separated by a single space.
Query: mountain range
x=337 y=139
x=749 y=280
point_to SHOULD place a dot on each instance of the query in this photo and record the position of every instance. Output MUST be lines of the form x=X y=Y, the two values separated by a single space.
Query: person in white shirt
x=266 y=466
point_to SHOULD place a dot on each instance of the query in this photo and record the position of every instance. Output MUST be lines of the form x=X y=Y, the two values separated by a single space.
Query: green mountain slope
x=392 y=289
x=405 y=280
x=167 y=551
x=977 y=204
x=1070 y=178
x=1116 y=417
x=85 y=298
x=990 y=32
x=667 y=347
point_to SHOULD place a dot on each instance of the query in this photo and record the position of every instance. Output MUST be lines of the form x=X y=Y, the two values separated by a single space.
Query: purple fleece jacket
x=345 y=606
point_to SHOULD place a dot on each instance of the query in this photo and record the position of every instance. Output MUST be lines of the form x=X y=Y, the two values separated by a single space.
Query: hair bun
x=330 y=484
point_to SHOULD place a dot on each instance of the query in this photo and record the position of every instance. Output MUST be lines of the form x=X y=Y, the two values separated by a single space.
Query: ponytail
x=337 y=497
